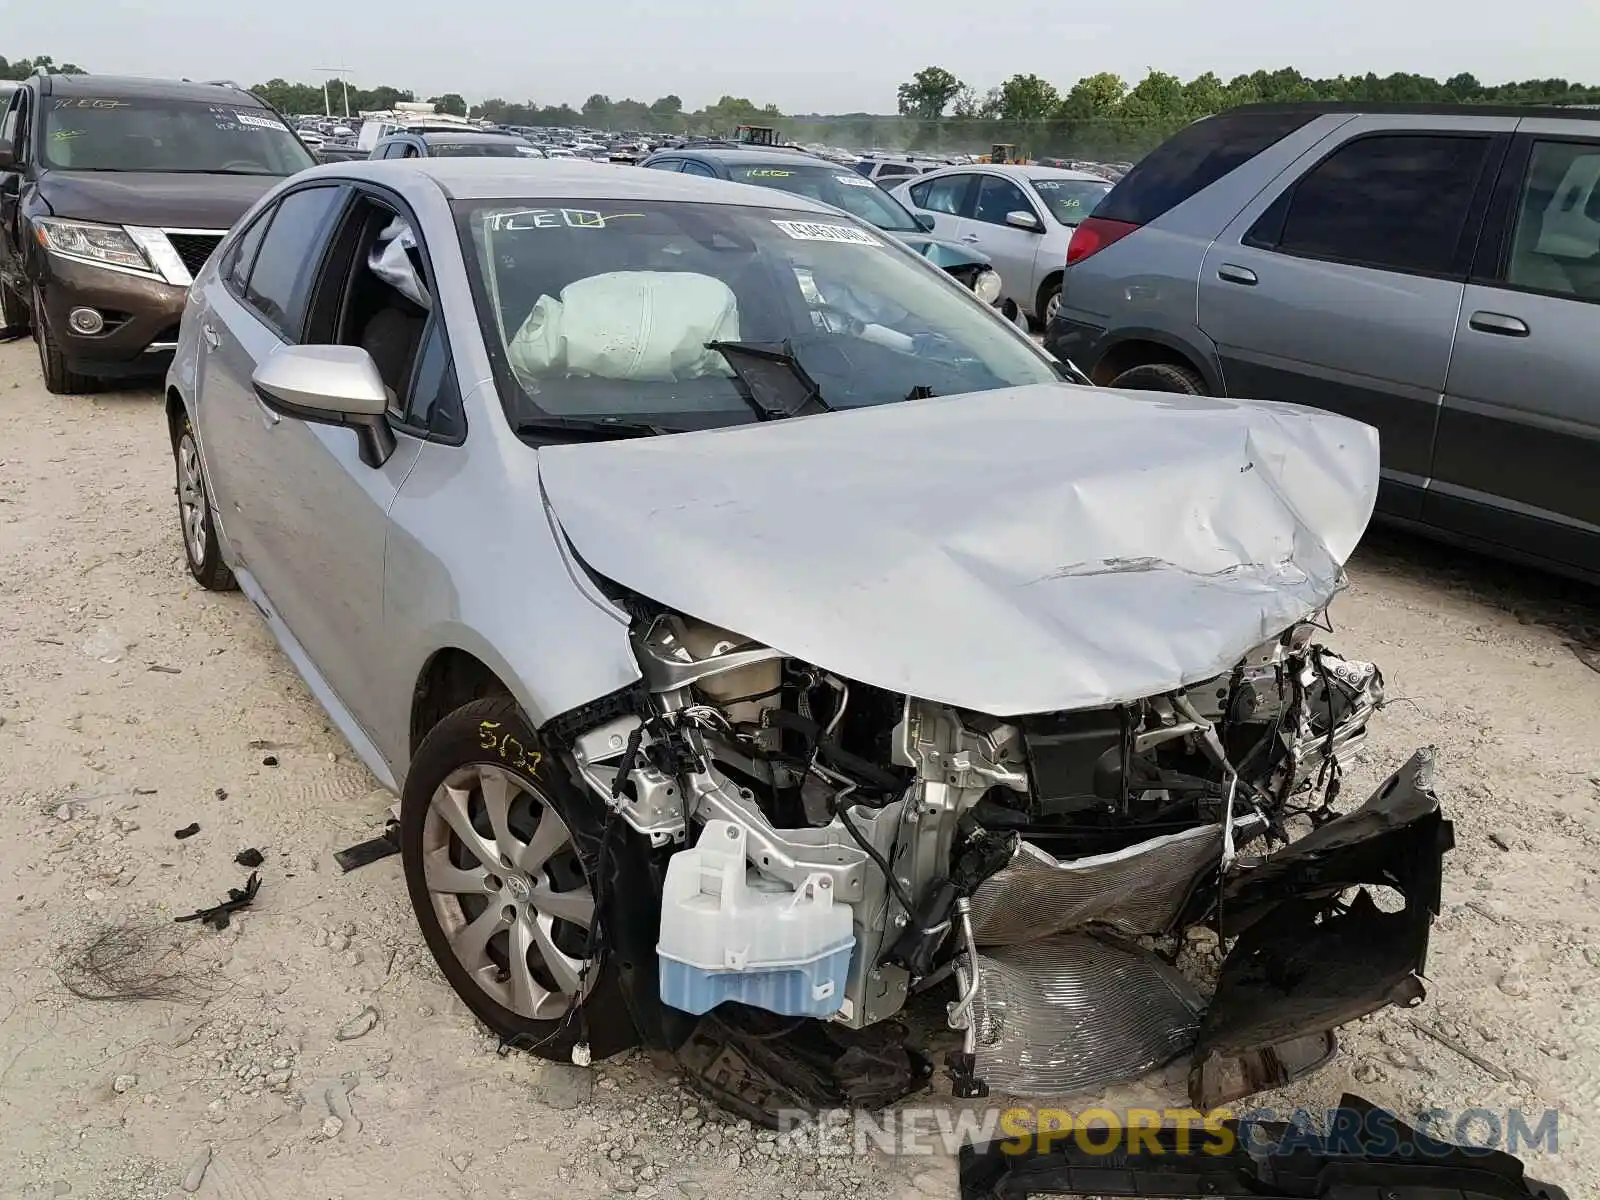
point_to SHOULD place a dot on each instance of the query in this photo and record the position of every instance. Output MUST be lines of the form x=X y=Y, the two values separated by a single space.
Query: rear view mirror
x=330 y=385
x=1023 y=220
x=925 y=222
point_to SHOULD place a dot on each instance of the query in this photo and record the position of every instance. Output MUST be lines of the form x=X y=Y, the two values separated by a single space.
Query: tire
x=199 y=532
x=1161 y=377
x=14 y=322
x=1045 y=303
x=487 y=748
x=59 y=379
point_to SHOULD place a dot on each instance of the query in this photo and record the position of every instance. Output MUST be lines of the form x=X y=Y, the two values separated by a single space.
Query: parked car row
x=804 y=175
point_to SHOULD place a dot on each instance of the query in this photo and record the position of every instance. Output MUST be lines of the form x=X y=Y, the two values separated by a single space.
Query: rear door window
x=945 y=194
x=1393 y=201
x=1190 y=161
x=281 y=275
x=1555 y=243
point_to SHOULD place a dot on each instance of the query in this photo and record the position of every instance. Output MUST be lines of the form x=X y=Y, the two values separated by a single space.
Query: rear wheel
x=1161 y=377
x=1047 y=303
x=59 y=378
x=497 y=847
x=200 y=546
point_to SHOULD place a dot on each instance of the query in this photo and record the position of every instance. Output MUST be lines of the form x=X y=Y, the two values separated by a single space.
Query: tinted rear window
x=1193 y=160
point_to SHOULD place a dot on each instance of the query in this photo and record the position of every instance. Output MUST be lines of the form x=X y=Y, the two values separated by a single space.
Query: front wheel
x=59 y=378
x=14 y=321
x=1161 y=377
x=498 y=848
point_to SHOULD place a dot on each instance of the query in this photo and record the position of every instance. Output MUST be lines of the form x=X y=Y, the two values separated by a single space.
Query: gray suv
x=1433 y=271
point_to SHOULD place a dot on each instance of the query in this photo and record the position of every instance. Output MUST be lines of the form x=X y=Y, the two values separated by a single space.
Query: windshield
x=605 y=311
x=833 y=185
x=83 y=133
x=506 y=149
x=1070 y=200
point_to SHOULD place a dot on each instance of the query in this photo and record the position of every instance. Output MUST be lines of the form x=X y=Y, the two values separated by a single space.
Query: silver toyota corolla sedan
x=761 y=633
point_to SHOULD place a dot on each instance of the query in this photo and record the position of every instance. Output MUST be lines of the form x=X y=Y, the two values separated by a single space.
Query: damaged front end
x=831 y=847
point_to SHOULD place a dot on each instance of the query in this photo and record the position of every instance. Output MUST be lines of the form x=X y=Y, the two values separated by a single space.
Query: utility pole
x=343 y=74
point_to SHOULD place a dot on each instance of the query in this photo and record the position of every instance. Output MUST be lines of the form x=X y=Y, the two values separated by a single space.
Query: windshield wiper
x=771 y=380
x=586 y=429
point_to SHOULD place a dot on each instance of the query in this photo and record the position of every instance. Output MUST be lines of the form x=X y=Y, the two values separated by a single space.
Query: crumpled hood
x=1024 y=550
x=168 y=200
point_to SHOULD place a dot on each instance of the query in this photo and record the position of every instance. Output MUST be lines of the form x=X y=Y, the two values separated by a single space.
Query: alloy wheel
x=1051 y=307
x=192 y=498
x=509 y=891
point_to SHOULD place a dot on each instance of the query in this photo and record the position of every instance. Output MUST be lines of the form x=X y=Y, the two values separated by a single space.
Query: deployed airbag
x=628 y=325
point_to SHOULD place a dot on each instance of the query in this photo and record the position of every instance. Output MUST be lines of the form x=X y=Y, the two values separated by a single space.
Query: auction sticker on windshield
x=854 y=181
x=811 y=231
x=254 y=122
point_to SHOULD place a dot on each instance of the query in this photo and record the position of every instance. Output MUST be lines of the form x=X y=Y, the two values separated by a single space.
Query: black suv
x=113 y=193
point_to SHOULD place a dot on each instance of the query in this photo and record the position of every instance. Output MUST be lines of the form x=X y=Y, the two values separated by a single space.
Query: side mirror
x=1024 y=220
x=925 y=221
x=330 y=385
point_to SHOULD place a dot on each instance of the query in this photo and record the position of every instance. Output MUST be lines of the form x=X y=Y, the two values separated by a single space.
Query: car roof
x=1048 y=172
x=759 y=156
x=469 y=138
x=139 y=87
x=1358 y=108
x=562 y=179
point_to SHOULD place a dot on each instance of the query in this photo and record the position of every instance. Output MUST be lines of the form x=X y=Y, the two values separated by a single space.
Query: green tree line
x=666 y=115
x=23 y=67
x=1102 y=115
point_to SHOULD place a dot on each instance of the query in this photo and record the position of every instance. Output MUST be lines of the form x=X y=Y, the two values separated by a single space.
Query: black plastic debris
x=250 y=857
x=221 y=793
x=218 y=914
x=188 y=831
x=1367 y=1151
x=371 y=850
x=269 y=760
x=759 y=1065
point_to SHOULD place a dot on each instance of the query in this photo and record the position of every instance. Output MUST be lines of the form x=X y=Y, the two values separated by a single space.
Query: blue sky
x=803 y=55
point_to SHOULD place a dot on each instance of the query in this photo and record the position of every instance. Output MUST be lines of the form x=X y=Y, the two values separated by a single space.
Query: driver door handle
x=212 y=337
x=1229 y=273
x=969 y=237
x=1492 y=322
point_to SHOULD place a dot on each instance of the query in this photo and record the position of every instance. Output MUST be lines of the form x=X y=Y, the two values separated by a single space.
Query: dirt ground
x=312 y=1050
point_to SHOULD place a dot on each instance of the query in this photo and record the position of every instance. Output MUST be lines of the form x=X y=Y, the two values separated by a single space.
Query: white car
x=1022 y=217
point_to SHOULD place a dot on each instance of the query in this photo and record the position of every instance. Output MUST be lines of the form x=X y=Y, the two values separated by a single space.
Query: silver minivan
x=1431 y=270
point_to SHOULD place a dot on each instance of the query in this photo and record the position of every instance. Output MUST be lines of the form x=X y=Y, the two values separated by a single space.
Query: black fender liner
x=1307 y=961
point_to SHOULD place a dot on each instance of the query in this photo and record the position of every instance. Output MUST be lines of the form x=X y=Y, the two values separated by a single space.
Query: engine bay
x=833 y=847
